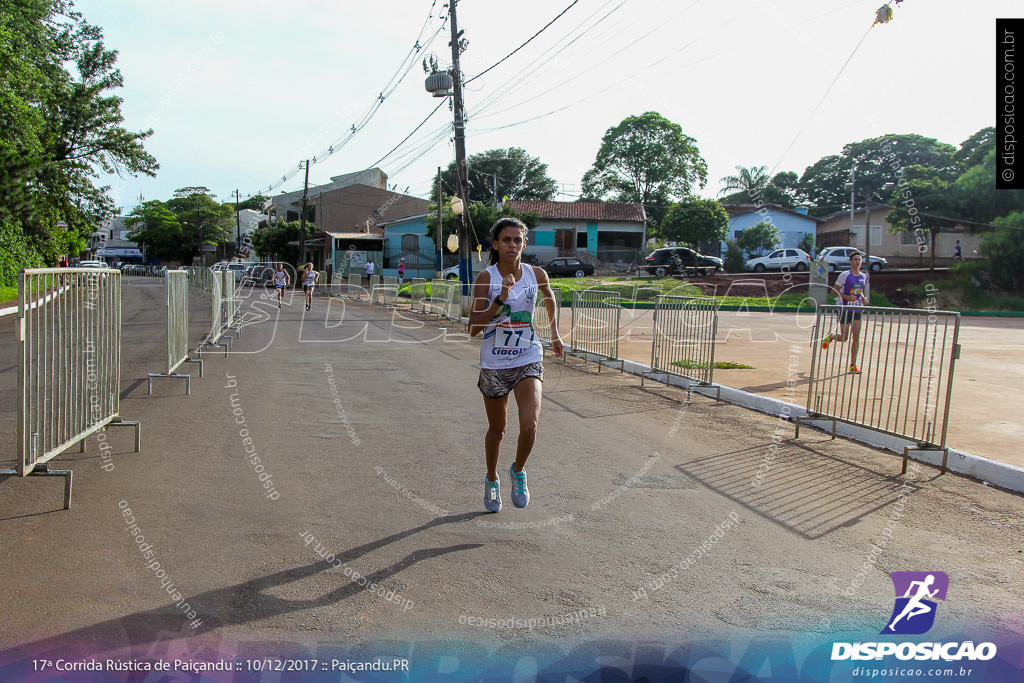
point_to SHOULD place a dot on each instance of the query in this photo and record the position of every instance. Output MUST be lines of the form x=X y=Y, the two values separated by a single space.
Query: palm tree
x=749 y=180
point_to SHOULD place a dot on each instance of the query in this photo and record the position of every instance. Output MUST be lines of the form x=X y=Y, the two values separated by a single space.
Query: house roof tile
x=579 y=211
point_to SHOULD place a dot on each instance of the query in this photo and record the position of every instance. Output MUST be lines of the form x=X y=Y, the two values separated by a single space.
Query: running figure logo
x=916 y=593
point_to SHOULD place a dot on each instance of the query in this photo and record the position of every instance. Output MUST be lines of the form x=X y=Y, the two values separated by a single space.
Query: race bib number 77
x=513 y=335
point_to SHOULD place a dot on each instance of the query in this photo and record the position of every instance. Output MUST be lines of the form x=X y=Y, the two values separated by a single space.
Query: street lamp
x=453 y=239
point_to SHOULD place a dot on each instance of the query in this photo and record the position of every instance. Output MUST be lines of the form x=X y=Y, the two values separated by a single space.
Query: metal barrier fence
x=232 y=304
x=453 y=301
x=684 y=339
x=906 y=361
x=355 y=286
x=68 y=334
x=200 y=278
x=177 y=330
x=417 y=293
x=217 y=320
x=136 y=271
x=542 y=324
x=595 y=325
x=436 y=302
x=389 y=292
x=321 y=282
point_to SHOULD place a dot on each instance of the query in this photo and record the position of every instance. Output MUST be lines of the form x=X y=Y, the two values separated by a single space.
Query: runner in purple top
x=852 y=294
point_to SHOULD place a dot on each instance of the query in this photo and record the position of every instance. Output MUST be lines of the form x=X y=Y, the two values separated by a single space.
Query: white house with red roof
x=610 y=232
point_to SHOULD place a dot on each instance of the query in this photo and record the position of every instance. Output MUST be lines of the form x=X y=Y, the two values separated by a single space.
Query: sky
x=239 y=93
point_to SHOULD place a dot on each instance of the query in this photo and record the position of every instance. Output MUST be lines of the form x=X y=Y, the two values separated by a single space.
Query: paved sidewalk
x=645 y=523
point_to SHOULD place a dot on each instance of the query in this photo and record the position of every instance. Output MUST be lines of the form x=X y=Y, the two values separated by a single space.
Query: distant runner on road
x=309 y=280
x=281 y=280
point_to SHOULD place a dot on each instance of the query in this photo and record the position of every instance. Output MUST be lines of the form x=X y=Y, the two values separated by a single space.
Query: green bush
x=1005 y=251
x=16 y=254
x=735 y=261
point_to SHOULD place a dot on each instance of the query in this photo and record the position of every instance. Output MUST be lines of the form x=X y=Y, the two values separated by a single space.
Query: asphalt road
x=652 y=520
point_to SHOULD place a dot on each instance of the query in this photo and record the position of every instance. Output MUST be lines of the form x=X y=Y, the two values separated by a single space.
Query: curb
x=988 y=472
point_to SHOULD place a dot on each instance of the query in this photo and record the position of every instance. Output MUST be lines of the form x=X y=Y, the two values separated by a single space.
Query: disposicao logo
x=914 y=614
x=916 y=593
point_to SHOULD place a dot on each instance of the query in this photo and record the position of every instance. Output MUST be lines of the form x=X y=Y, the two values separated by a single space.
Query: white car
x=838 y=258
x=92 y=264
x=780 y=259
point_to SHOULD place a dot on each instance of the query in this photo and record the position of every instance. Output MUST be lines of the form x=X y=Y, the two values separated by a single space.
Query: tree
x=254 y=202
x=647 y=160
x=517 y=174
x=482 y=216
x=158 y=228
x=877 y=160
x=974 y=149
x=759 y=238
x=696 y=221
x=755 y=185
x=747 y=180
x=203 y=220
x=272 y=241
x=60 y=127
x=1005 y=251
x=807 y=243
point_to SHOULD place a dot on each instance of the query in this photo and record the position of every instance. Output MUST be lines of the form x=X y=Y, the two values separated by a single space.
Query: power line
x=571 y=5
x=384 y=93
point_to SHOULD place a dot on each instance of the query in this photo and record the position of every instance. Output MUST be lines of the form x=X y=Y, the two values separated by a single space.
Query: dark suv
x=680 y=261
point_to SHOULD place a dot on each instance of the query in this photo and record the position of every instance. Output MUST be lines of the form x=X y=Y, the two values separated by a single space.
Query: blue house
x=792 y=224
x=611 y=232
x=409 y=238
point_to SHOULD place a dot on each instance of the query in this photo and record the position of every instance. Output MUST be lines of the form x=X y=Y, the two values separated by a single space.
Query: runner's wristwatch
x=498 y=300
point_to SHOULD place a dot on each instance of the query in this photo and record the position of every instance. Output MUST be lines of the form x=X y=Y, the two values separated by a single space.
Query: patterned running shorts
x=498 y=383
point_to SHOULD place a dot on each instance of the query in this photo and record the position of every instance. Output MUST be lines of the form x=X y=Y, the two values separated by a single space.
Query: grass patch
x=719 y=365
x=630 y=290
x=8 y=296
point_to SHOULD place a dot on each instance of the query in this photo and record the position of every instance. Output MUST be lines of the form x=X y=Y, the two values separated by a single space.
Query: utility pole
x=440 y=244
x=465 y=264
x=238 y=226
x=853 y=201
x=495 y=190
x=302 y=223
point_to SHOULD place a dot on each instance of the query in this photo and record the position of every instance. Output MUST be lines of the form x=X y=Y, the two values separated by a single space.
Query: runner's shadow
x=240 y=604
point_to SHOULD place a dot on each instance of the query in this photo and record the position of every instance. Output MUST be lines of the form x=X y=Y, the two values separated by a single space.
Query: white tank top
x=509 y=338
x=280 y=277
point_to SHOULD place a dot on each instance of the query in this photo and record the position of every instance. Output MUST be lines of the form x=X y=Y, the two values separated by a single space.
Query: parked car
x=568 y=267
x=679 y=261
x=450 y=273
x=258 y=274
x=238 y=269
x=780 y=259
x=92 y=264
x=838 y=258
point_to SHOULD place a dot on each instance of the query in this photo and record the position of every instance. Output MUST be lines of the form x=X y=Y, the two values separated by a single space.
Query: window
x=410 y=242
x=775 y=254
x=791 y=252
x=907 y=237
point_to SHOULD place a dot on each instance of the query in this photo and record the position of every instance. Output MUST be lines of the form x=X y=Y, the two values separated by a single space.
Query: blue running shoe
x=520 y=494
x=492 y=496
